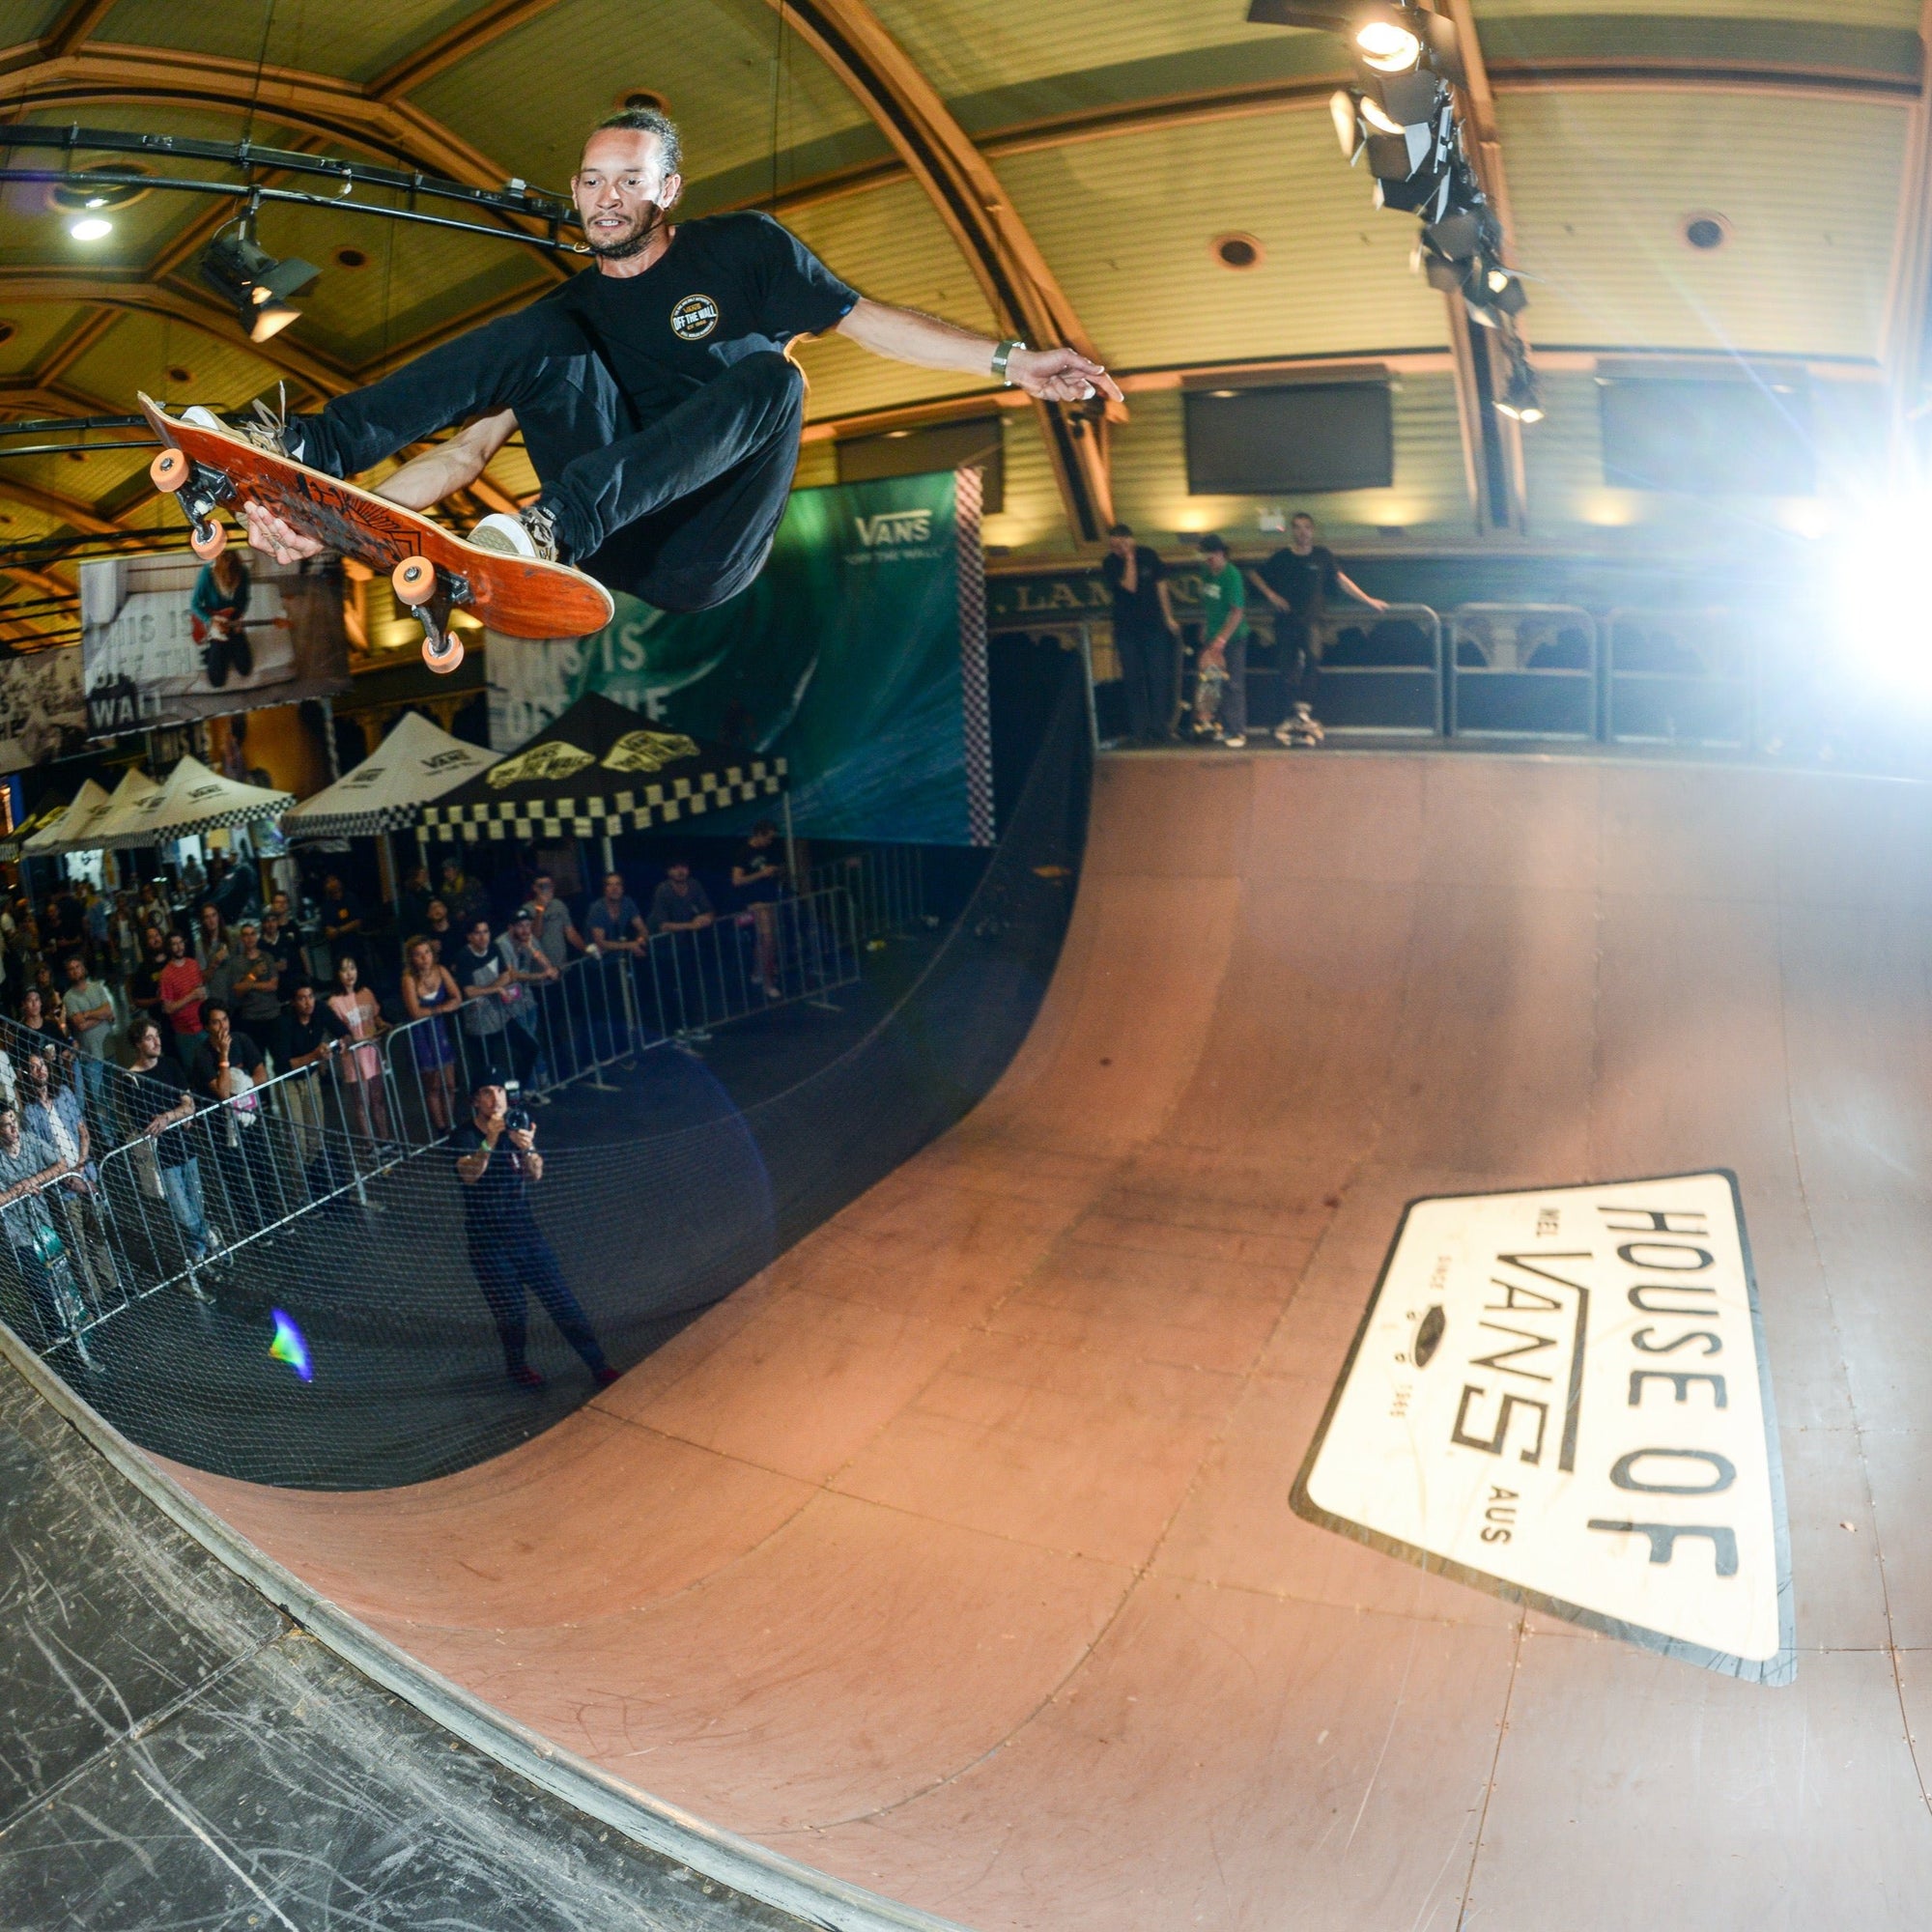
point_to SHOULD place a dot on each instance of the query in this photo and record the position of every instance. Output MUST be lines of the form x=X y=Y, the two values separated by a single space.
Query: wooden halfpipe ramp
x=954 y=1554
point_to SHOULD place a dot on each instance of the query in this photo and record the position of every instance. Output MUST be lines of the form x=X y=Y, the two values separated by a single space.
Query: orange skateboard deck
x=432 y=570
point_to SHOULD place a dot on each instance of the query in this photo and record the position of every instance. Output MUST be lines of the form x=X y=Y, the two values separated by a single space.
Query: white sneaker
x=267 y=429
x=529 y=533
x=1235 y=744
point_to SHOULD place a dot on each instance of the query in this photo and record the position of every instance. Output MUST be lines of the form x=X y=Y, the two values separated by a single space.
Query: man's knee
x=774 y=380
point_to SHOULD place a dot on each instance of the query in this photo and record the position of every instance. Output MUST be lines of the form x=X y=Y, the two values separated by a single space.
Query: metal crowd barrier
x=1521 y=671
x=163 y=1209
x=886 y=885
x=1382 y=672
x=1678 y=677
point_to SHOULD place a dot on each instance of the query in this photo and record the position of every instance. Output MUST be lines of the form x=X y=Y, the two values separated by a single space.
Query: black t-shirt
x=1139 y=610
x=497 y=1206
x=1305 y=583
x=294 y=1037
x=158 y=1091
x=143 y=983
x=727 y=287
x=242 y=1052
x=760 y=887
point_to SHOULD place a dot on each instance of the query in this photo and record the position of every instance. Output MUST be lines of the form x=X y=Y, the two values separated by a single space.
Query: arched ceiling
x=1054 y=165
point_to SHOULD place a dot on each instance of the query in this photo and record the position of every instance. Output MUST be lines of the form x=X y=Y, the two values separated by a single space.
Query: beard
x=632 y=241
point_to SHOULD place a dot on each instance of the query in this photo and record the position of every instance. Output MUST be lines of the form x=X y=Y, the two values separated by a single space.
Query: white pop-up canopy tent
x=78 y=828
x=89 y=803
x=192 y=799
x=416 y=763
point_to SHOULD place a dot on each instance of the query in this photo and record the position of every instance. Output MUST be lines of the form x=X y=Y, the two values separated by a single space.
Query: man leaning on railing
x=27 y=1165
x=162 y=1085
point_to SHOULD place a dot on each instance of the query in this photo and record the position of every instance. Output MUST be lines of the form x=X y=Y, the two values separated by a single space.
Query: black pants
x=680 y=511
x=512 y=1269
x=1299 y=647
x=1147 y=663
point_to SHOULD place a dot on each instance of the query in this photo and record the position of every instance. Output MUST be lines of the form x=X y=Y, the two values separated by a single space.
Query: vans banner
x=858 y=656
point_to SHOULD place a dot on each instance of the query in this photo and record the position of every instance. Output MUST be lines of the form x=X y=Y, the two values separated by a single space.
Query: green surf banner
x=858 y=656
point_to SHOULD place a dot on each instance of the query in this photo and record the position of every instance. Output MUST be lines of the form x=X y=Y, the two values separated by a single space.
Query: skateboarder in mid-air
x=656 y=400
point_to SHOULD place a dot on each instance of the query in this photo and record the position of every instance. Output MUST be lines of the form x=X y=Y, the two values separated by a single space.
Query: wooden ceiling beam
x=73 y=346
x=73 y=26
x=34 y=285
x=1019 y=286
x=445 y=49
x=68 y=510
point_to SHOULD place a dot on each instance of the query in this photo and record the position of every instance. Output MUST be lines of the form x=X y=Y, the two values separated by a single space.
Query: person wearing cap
x=1224 y=637
x=530 y=972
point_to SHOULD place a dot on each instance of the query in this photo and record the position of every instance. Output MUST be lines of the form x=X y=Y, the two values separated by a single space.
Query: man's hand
x=522 y=1139
x=269 y=534
x=1061 y=375
x=1214 y=657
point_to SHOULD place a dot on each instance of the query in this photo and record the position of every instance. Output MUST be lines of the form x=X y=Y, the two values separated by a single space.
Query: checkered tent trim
x=969 y=496
x=633 y=810
x=241 y=814
x=398 y=817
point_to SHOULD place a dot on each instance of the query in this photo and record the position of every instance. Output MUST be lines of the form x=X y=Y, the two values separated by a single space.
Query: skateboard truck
x=432 y=594
x=199 y=492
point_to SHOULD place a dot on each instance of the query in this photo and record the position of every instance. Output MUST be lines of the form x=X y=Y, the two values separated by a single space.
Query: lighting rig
x=1399 y=119
x=253 y=282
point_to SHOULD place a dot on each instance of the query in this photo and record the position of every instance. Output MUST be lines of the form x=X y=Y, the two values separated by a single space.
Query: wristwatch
x=1002 y=355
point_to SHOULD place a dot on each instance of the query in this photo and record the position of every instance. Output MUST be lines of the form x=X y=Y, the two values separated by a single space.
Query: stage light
x=1347 y=125
x=1878 y=613
x=254 y=282
x=1375 y=115
x=1521 y=401
x=90 y=228
x=1388 y=40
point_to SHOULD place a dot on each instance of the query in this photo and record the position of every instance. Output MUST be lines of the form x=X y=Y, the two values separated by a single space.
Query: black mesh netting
x=683 y=1197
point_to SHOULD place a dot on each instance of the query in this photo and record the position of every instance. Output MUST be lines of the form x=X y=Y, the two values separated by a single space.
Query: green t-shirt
x=1221 y=591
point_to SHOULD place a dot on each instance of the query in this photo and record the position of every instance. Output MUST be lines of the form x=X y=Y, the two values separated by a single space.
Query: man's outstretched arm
x=905 y=335
x=421 y=481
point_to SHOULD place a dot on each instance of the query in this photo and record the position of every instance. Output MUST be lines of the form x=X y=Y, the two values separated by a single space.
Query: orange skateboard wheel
x=414 y=580
x=442 y=655
x=208 y=542
x=169 y=470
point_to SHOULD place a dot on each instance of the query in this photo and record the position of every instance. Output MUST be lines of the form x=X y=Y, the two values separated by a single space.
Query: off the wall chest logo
x=1563 y=1396
x=893 y=527
x=694 y=318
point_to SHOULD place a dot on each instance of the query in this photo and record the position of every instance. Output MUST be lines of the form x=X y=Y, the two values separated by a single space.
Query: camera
x=518 y=1120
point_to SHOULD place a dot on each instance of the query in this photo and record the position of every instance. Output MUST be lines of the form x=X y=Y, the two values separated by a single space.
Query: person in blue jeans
x=159 y=1089
x=498 y=1163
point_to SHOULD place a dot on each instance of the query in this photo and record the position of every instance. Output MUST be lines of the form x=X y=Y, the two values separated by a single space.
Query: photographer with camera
x=498 y=1163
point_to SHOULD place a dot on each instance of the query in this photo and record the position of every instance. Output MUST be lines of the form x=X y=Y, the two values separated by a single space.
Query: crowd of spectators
x=150 y=1019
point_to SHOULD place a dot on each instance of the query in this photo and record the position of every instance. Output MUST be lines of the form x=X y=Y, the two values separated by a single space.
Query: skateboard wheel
x=413 y=580
x=442 y=655
x=169 y=470
x=208 y=541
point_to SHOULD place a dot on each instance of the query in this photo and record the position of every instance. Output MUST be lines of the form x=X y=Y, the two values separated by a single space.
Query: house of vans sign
x=1562 y=1396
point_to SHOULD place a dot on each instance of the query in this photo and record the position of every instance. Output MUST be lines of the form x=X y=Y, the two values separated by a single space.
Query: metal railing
x=1678 y=677
x=163 y=1208
x=1522 y=670
x=886 y=884
x=1382 y=672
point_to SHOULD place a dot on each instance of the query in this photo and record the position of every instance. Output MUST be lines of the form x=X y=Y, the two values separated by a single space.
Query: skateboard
x=1301 y=729
x=431 y=570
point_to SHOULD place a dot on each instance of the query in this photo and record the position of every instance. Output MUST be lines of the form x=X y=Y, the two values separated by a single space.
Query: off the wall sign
x=1562 y=1396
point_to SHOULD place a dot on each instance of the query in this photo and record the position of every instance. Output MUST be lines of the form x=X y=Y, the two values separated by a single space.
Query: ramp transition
x=954 y=1554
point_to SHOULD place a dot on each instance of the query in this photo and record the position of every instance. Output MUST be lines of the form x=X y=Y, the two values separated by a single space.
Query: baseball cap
x=1213 y=540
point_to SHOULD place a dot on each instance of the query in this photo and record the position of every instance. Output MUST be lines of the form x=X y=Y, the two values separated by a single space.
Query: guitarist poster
x=168 y=640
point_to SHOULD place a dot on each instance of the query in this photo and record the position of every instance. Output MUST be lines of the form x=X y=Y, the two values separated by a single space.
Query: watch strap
x=1002 y=355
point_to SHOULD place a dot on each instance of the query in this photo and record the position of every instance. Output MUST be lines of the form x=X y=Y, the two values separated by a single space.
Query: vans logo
x=895 y=526
x=1562 y=1396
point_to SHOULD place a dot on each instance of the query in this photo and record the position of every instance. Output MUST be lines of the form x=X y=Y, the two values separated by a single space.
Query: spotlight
x=1521 y=401
x=1388 y=40
x=1377 y=117
x=254 y=281
x=90 y=228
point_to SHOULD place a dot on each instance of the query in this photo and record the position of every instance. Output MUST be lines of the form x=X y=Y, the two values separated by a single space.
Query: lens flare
x=289 y=1346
